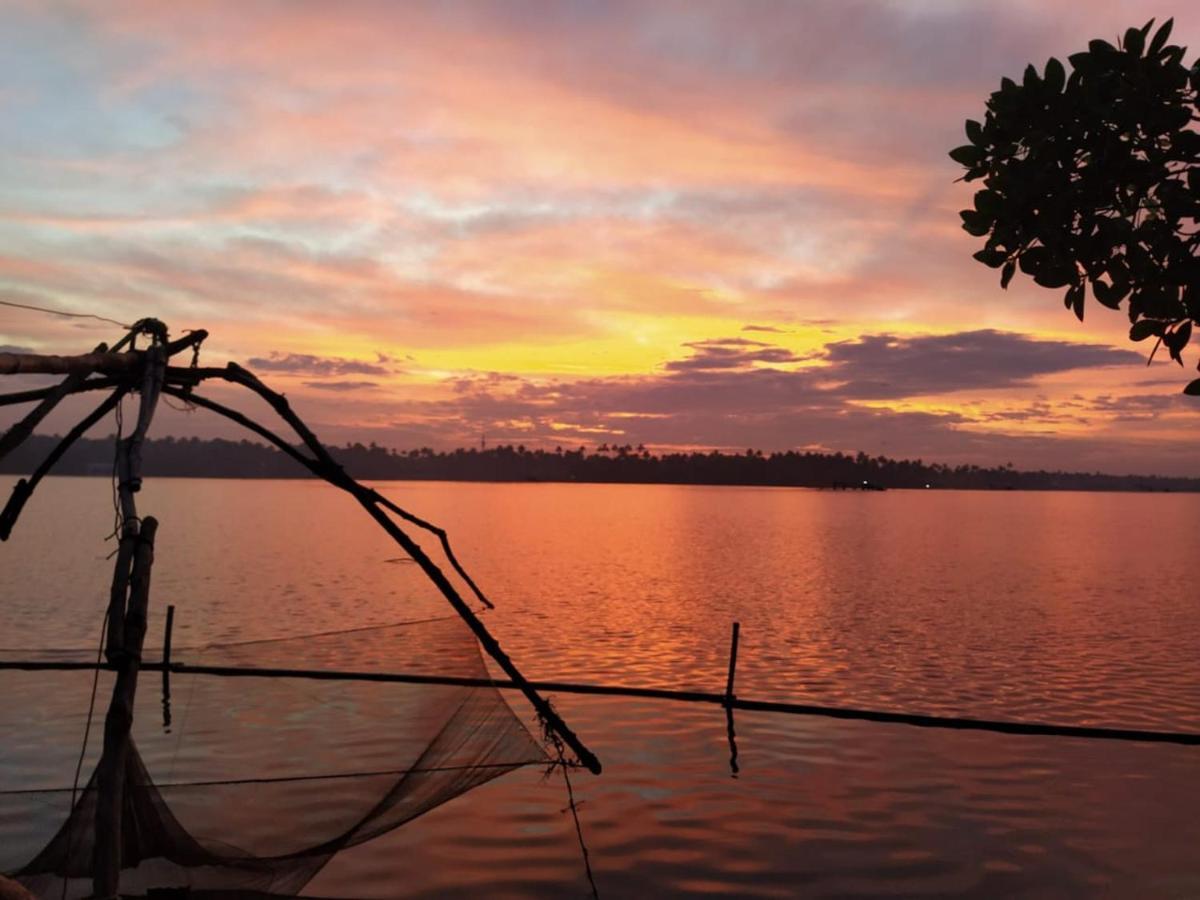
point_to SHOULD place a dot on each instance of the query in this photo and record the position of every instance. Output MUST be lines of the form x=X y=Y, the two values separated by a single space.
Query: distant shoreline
x=793 y=487
x=218 y=458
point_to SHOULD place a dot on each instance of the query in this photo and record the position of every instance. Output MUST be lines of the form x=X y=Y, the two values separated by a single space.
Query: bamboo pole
x=126 y=624
x=110 y=774
x=730 y=732
x=108 y=363
x=326 y=467
x=180 y=383
x=884 y=717
x=166 y=666
x=18 y=433
x=733 y=649
x=23 y=489
x=83 y=364
x=114 y=643
x=92 y=384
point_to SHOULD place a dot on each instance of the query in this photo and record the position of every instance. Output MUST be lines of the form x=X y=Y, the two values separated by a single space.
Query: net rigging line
x=64 y=314
x=888 y=717
x=295 y=779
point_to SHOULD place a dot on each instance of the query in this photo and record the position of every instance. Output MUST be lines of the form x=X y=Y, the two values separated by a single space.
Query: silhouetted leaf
x=1007 y=273
x=1100 y=47
x=974 y=132
x=1172 y=56
x=1193 y=388
x=975 y=223
x=967 y=155
x=1108 y=295
x=991 y=258
x=1134 y=41
x=1033 y=259
x=1178 y=339
x=1074 y=300
x=1160 y=38
x=1053 y=276
x=1056 y=76
x=987 y=202
x=1144 y=328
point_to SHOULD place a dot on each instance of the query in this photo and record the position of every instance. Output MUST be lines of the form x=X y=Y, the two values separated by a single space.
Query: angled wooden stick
x=16 y=435
x=109 y=363
x=110 y=773
x=31 y=396
x=126 y=629
x=24 y=488
x=326 y=467
x=187 y=378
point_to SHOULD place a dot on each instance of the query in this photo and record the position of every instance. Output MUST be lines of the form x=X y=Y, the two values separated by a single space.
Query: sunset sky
x=683 y=224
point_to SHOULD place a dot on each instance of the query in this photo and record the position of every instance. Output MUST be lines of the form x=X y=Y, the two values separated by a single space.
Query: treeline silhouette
x=196 y=458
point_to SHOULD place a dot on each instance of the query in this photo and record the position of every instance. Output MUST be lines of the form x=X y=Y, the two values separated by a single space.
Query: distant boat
x=857 y=486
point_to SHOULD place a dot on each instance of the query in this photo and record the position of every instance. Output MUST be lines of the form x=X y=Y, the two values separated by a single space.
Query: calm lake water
x=1070 y=608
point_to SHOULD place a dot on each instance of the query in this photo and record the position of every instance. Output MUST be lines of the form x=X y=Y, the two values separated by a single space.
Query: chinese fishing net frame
x=216 y=817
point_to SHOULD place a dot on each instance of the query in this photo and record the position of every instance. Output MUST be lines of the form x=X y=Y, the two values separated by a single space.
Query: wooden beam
x=126 y=632
x=110 y=773
x=20 y=431
x=107 y=363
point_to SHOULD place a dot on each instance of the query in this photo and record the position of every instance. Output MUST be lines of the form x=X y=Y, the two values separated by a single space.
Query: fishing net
x=247 y=786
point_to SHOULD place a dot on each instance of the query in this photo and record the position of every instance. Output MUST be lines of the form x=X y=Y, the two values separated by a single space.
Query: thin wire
x=87 y=730
x=68 y=315
x=179 y=732
x=333 y=776
x=221 y=645
x=188 y=407
x=574 y=807
x=120 y=420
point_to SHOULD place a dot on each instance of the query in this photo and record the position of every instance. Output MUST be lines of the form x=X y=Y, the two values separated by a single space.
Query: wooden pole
x=733 y=648
x=730 y=733
x=887 y=717
x=166 y=664
x=23 y=429
x=326 y=467
x=166 y=654
x=23 y=489
x=126 y=631
x=110 y=363
x=110 y=774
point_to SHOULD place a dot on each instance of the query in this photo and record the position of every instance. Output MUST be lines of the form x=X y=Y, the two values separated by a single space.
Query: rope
x=223 y=645
x=87 y=730
x=572 y=805
x=68 y=315
x=317 y=634
x=187 y=708
x=1033 y=729
x=116 y=502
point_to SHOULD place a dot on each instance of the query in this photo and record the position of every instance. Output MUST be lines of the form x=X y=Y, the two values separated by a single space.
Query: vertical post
x=733 y=648
x=115 y=640
x=110 y=775
x=166 y=653
x=166 y=672
x=126 y=631
x=729 y=732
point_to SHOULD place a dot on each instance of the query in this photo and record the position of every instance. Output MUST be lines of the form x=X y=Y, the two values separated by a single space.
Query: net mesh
x=247 y=786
